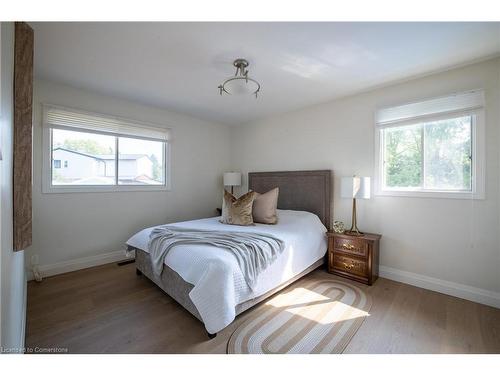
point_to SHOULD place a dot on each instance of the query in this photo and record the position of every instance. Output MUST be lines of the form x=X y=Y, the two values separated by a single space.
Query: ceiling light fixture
x=241 y=83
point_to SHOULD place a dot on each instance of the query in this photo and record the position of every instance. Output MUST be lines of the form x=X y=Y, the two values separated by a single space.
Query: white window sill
x=102 y=189
x=429 y=194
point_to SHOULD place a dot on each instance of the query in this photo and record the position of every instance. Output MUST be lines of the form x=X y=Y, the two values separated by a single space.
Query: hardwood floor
x=108 y=309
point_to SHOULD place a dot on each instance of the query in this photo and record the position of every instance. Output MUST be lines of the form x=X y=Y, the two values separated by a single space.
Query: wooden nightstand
x=354 y=257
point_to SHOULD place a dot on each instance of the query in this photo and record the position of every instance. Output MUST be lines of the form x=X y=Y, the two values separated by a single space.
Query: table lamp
x=355 y=188
x=232 y=179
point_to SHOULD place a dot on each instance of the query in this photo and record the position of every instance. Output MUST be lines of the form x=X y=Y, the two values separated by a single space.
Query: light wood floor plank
x=108 y=309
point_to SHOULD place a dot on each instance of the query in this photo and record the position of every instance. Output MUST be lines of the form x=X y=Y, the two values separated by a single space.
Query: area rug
x=314 y=316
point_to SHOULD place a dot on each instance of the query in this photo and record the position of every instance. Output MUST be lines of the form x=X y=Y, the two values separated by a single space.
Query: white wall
x=71 y=226
x=13 y=281
x=452 y=240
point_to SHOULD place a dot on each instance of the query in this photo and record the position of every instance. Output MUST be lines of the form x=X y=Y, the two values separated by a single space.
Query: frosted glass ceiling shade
x=232 y=179
x=241 y=87
x=355 y=187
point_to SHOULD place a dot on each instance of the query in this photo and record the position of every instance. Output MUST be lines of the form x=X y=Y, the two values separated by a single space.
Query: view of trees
x=403 y=156
x=446 y=155
x=157 y=171
x=89 y=146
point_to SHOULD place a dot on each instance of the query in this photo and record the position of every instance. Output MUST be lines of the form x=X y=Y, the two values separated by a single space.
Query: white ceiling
x=178 y=66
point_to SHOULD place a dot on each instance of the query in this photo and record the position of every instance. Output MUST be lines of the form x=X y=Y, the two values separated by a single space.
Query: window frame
x=47 y=167
x=477 y=163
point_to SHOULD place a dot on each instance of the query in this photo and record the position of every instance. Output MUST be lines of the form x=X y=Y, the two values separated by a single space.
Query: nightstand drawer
x=353 y=266
x=353 y=246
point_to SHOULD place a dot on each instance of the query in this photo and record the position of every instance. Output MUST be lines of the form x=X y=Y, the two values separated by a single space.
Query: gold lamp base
x=354 y=231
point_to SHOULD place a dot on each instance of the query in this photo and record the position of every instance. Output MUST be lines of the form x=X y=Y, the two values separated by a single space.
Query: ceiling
x=178 y=66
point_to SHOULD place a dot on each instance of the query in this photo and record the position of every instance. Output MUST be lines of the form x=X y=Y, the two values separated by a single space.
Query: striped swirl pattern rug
x=320 y=315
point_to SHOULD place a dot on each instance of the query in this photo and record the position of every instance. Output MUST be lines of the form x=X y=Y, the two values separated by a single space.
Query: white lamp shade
x=355 y=187
x=232 y=179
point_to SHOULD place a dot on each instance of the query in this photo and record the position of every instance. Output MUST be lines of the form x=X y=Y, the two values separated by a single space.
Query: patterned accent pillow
x=237 y=211
x=264 y=207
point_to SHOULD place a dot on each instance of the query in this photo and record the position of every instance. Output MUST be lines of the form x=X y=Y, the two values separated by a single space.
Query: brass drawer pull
x=348 y=246
x=349 y=266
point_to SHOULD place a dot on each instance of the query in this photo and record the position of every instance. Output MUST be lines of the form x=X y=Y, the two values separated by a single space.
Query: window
x=102 y=153
x=433 y=148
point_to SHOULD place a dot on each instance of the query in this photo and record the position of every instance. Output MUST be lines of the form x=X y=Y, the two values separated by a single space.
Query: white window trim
x=48 y=188
x=478 y=160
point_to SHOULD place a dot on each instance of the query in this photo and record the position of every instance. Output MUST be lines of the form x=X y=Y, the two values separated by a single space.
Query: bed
x=207 y=281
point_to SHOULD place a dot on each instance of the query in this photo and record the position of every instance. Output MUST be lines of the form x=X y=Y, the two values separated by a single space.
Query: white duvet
x=219 y=285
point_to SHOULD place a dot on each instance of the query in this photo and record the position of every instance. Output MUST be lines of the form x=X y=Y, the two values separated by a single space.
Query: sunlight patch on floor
x=309 y=304
x=303 y=295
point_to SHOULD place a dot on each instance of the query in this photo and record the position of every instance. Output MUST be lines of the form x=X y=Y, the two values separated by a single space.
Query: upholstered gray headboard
x=299 y=190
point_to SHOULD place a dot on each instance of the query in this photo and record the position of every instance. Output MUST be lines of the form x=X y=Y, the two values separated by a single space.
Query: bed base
x=177 y=288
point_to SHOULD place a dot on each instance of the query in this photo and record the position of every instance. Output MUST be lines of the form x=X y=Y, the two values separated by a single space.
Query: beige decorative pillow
x=264 y=207
x=237 y=211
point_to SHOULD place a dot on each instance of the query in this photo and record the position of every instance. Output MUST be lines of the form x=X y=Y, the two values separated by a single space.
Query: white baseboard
x=486 y=297
x=79 y=264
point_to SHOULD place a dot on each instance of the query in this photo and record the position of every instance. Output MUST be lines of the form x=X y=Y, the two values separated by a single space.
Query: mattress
x=219 y=285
